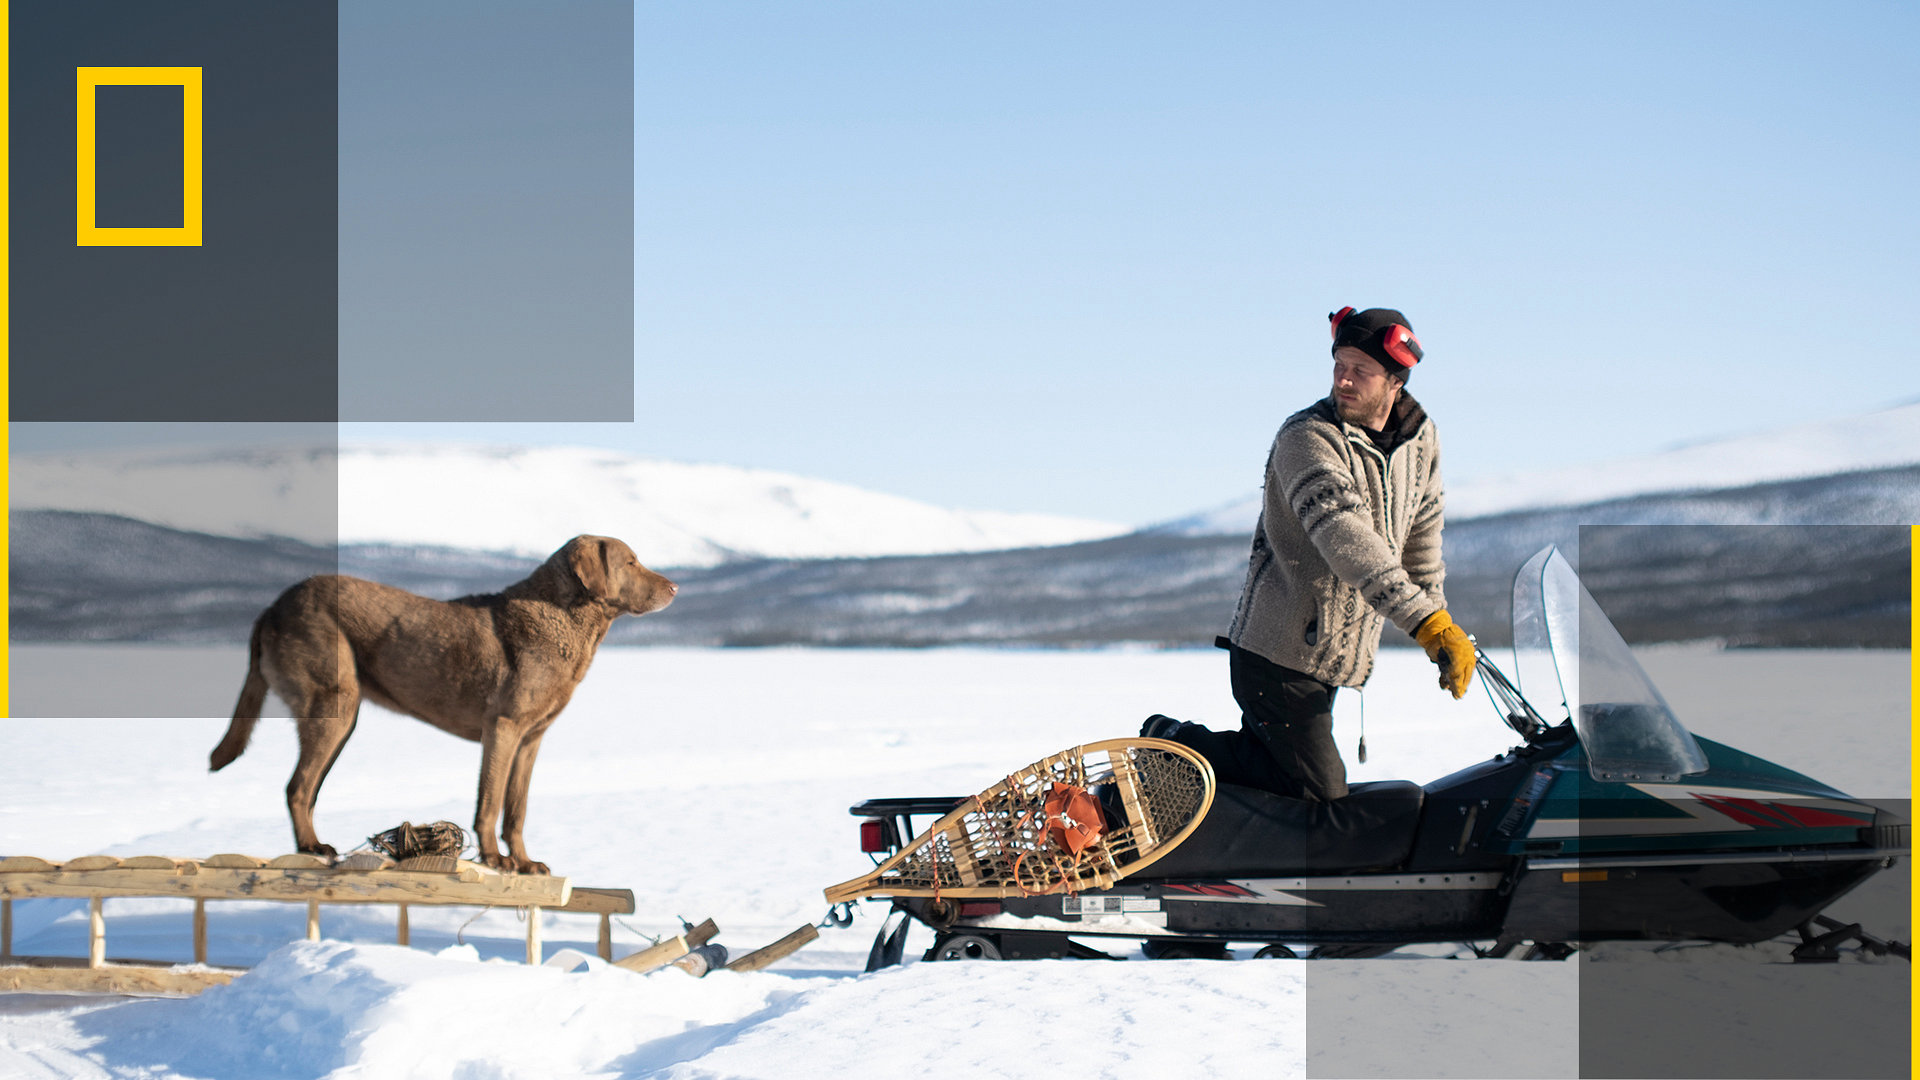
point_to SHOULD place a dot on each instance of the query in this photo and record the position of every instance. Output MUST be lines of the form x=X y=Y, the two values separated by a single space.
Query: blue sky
x=1077 y=258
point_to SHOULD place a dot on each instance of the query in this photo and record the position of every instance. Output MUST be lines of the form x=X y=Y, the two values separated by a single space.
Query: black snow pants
x=1285 y=742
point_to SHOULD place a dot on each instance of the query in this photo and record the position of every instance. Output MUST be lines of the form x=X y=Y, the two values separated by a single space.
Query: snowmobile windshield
x=1565 y=645
x=1533 y=667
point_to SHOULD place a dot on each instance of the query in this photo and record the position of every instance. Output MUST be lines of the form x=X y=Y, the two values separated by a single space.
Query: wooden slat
x=294 y=862
x=110 y=979
x=1129 y=781
x=96 y=932
x=327 y=886
x=533 y=934
x=599 y=901
x=606 y=937
x=199 y=931
x=669 y=950
x=403 y=933
x=963 y=861
x=786 y=946
x=313 y=920
x=91 y=862
x=6 y=929
x=231 y=861
x=25 y=862
x=143 y=862
x=655 y=956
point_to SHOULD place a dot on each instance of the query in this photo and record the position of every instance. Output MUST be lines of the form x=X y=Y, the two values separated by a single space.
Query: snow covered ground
x=715 y=783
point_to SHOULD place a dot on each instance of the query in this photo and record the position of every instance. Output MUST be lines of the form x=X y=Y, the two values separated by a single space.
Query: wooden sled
x=669 y=949
x=779 y=950
x=1003 y=842
x=684 y=951
x=358 y=879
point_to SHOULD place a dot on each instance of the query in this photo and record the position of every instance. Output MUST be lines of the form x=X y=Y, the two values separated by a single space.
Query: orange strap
x=1074 y=820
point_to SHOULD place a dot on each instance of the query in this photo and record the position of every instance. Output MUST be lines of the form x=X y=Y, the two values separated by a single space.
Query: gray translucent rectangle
x=1725 y=1011
x=126 y=534
x=1751 y=1011
x=1694 y=1009
x=486 y=211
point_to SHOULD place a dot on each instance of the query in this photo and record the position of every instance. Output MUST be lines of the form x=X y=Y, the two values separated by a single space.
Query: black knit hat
x=1381 y=333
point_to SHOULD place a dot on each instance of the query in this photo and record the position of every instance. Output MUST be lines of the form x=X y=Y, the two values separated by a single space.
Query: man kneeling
x=1348 y=536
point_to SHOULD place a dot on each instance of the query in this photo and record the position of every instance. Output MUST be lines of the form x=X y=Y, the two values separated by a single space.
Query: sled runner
x=1081 y=819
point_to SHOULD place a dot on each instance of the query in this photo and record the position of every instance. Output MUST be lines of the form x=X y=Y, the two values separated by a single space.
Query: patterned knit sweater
x=1348 y=535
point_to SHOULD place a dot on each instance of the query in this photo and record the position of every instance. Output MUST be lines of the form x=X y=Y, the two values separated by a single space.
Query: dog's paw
x=512 y=864
x=323 y=850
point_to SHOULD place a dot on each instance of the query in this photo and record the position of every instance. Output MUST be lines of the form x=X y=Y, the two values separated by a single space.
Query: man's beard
x=1362 y=410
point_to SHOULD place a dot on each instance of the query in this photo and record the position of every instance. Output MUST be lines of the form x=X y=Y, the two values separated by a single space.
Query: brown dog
x=496 y=668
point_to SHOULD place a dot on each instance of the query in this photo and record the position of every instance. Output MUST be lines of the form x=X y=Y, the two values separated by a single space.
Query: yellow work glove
x=1447 y=646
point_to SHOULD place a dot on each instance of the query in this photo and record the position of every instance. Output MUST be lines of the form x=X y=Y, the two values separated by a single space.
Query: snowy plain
x=716 y=783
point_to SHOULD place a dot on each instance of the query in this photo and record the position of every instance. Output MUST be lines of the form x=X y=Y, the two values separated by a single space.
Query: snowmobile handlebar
x=1506 y=697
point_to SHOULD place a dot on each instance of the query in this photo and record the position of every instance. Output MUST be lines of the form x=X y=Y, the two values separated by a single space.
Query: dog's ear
x=588 y=561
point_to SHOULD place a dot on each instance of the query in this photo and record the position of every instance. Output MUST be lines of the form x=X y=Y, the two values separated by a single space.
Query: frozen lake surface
x=716 y=783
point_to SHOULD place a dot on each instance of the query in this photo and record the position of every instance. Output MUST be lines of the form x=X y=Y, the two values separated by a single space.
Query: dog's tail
x=246 y=711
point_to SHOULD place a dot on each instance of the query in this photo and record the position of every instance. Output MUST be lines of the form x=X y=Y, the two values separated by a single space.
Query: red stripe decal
x=1744 y=811
x=1814 y=817
x=1222 y=889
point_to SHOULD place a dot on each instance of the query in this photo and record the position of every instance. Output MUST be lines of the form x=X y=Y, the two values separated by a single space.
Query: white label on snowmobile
x=1118 y=921
x=1145 y=923
x=1106 y=904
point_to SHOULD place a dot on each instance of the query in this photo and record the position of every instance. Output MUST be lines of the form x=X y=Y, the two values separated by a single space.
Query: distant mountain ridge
x=524 y=501
x=518 y=500
x=1688 y=544
x=1886 y=439
x=1810 y=562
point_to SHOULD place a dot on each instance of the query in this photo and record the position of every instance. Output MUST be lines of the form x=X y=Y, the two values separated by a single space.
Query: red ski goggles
x=1395 y=342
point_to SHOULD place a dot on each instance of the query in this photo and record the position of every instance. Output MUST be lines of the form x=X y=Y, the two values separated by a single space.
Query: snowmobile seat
x=1249 y=832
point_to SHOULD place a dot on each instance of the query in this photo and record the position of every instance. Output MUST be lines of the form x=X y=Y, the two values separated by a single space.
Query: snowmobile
x=1615 y=823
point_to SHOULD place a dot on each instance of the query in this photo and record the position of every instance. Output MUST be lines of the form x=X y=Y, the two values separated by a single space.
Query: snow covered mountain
x=517 y=499
x=1879 y=440
x=1889 y=438
x=189 y=546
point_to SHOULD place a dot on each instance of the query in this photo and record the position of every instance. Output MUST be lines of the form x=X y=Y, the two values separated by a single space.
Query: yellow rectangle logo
x=88 y=80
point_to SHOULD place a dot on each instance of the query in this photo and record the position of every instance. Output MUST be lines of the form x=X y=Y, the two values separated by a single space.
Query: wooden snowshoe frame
x=995 y=844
